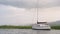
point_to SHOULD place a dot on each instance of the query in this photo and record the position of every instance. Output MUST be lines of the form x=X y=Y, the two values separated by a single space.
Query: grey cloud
x=7 y=15
x=22 y=16
x=17 y=3
x=30 y=3
x=10 y=15
x=6 y=11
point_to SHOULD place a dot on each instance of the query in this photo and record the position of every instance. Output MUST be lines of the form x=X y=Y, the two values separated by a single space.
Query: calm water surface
x=28 y=31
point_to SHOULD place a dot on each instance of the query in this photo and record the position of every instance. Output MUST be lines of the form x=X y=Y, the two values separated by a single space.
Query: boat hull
x=38 y=27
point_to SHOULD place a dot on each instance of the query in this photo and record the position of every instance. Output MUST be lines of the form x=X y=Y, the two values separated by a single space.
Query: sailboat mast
x=37 y=6
x=37 y=15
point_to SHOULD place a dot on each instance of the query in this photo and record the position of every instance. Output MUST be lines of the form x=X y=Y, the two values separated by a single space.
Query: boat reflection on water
x=42 y=32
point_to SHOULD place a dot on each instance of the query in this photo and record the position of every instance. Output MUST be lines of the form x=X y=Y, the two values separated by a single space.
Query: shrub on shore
x=23 y=27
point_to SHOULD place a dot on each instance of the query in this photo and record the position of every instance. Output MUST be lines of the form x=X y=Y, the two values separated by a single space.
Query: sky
x=24 y=12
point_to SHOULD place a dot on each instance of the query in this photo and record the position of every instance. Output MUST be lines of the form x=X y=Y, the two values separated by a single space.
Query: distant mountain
x=51 y=23
x=54 y=23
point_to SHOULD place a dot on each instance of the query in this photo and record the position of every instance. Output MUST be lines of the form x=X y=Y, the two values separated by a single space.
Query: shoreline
x=24 y=27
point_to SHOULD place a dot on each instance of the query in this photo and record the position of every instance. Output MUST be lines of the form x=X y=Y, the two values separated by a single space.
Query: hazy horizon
x=22 y=12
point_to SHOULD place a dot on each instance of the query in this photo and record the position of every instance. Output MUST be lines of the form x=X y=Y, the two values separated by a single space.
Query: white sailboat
x=40 y=25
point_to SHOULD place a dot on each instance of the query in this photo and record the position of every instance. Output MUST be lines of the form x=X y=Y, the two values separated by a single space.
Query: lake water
x=28 y=31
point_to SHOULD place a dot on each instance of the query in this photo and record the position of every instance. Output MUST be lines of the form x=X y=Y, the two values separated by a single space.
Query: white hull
x=41 y=27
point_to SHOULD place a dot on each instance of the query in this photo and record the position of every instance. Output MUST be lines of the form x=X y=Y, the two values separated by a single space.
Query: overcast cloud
x=31 y=3
x=22 y=12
